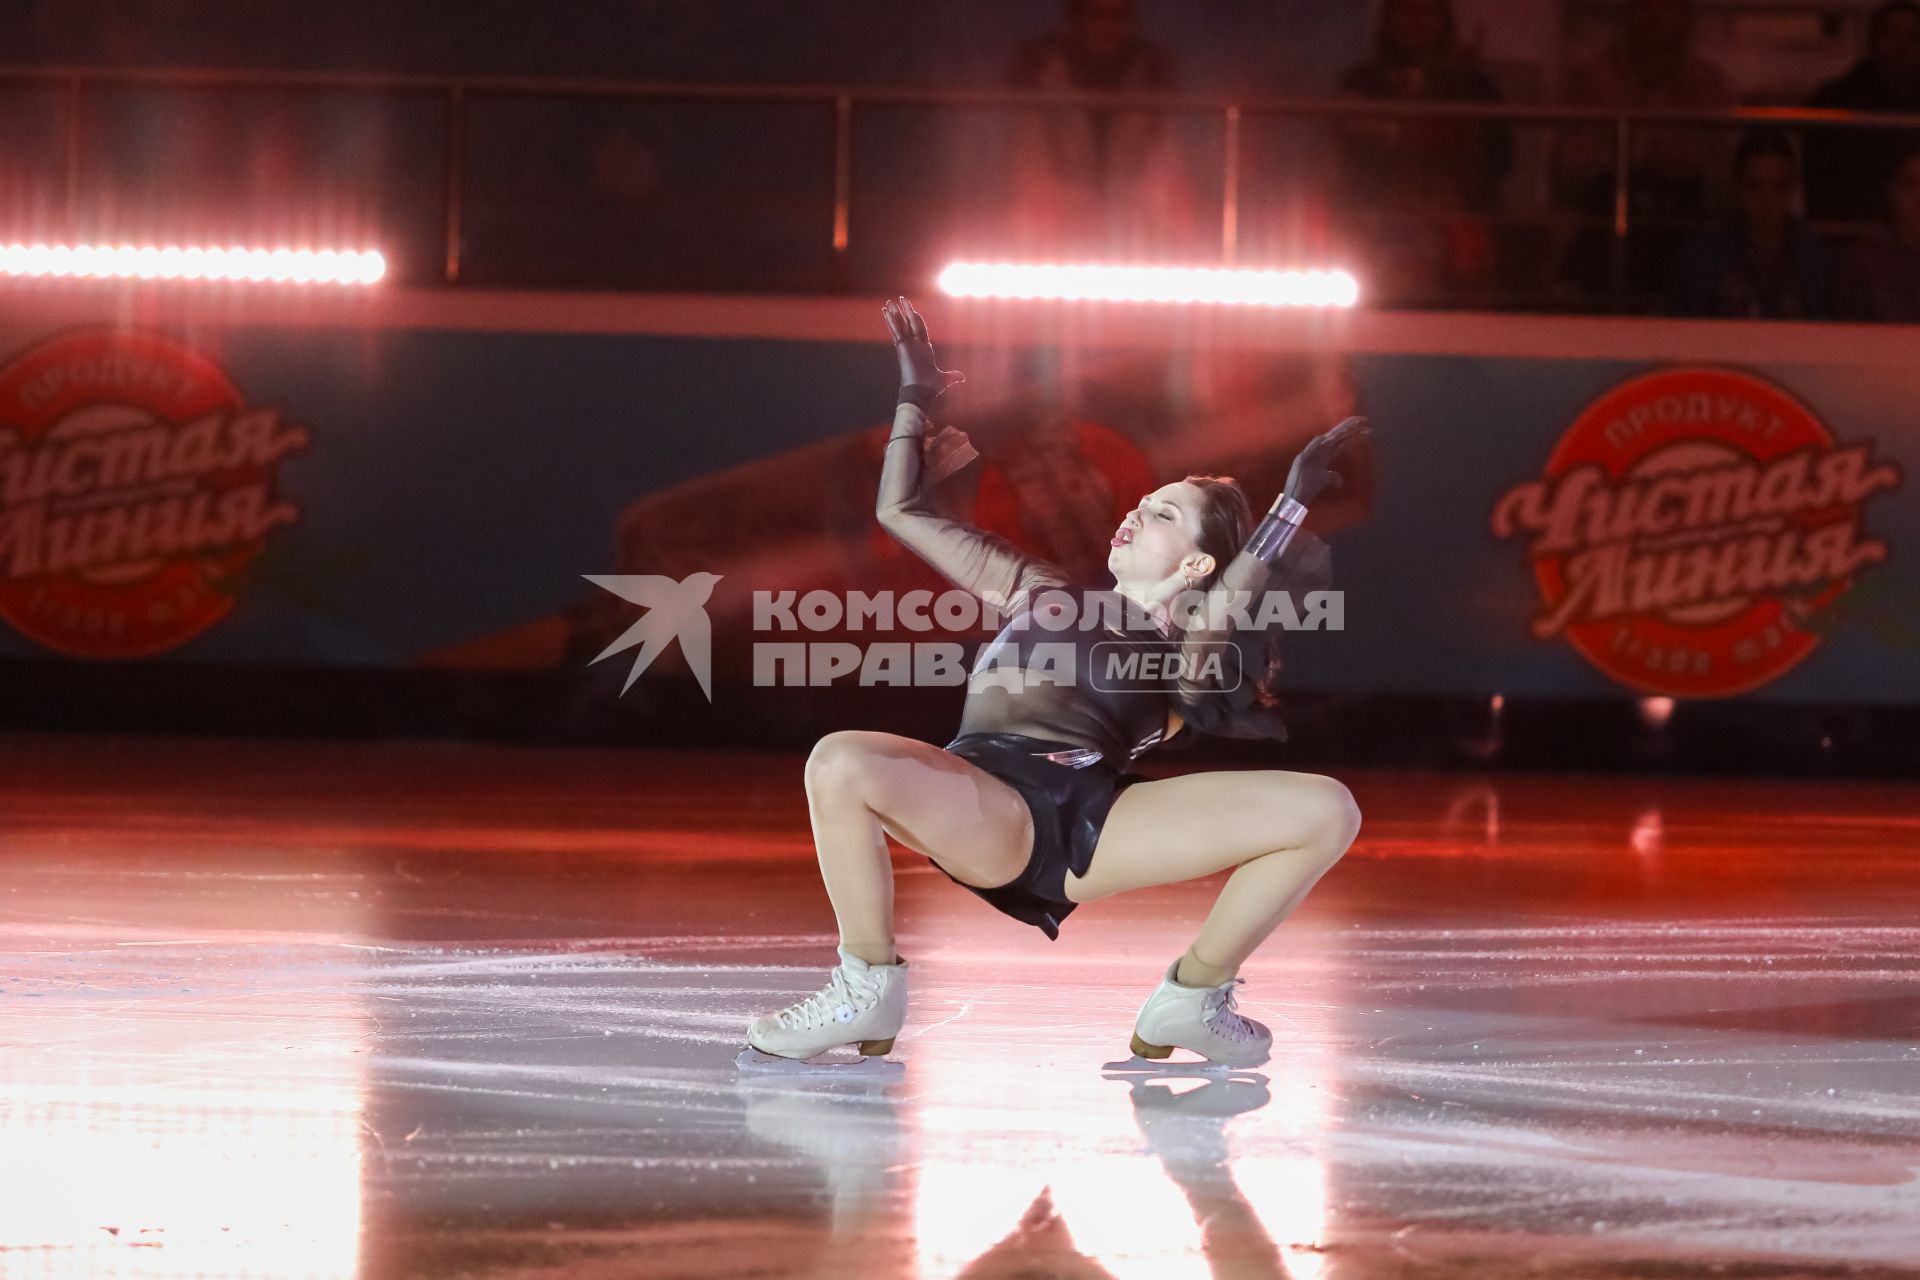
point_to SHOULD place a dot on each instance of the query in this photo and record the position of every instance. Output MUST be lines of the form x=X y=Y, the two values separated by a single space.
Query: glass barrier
x=623 y=186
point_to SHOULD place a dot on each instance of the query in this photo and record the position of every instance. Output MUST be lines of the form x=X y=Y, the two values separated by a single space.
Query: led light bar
x=126 y=262
x=1090 y=283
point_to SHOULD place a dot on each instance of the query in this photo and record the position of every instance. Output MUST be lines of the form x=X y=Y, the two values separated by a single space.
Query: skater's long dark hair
x=1226 y=522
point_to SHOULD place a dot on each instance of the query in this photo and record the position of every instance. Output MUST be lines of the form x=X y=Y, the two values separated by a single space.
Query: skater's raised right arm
x=986 y=564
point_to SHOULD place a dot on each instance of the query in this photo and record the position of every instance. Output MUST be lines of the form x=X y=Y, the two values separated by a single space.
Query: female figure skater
x=1028 y=807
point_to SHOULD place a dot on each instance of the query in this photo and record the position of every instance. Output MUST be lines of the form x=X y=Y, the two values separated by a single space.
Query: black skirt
x=1069 y=807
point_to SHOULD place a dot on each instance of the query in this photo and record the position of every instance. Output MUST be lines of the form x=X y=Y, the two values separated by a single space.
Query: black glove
x=1313 y=471
x=921 y=377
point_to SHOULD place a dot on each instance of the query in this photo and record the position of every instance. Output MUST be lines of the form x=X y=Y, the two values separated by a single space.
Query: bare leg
x=862 y=787
x=1280 y=831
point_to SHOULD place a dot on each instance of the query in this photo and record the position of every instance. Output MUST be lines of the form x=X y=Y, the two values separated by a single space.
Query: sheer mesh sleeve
x=1223 y=697
x=986 y=564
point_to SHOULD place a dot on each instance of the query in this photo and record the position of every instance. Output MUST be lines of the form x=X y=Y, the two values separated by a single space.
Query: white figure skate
x=862 y=1005
x=1202 y=1019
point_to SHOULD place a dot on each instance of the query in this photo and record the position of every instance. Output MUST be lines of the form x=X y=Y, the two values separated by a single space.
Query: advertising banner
x=402 y=497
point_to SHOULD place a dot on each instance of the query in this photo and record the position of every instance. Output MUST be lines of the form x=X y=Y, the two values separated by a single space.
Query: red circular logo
x=135 y=486
x=1686 y=525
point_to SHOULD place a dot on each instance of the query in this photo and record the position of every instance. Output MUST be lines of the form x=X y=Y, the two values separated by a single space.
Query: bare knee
x=1338 y=820
x=840 y=764
x=1317 y=812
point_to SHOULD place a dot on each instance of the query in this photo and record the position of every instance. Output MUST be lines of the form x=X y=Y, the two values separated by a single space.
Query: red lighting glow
x=1071 y=282
x=127 y=262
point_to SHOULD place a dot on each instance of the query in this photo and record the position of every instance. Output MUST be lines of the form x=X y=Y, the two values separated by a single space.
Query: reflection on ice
x=180 y=1128
x=1591 y=1029
x=1027 y=1168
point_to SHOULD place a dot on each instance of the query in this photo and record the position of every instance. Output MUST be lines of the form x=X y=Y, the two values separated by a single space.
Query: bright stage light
x=147 y=262
x=1067 y=282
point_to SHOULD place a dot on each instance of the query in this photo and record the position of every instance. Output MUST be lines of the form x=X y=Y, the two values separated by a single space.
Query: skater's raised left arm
x=1278 y=556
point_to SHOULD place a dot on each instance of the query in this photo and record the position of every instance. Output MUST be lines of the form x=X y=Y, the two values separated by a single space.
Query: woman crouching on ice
x=1029 y=806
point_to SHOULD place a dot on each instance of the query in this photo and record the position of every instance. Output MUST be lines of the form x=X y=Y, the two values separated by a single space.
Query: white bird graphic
x=674 y=609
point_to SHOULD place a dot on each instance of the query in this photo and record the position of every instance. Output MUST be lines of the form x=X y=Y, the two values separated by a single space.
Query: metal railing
x=842 y=107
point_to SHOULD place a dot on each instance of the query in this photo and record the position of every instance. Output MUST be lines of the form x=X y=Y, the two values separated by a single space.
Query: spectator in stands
x=1431 y=163
x=1097 y=178
x=1421 y=187
x=1652 y=64
x=1847 y=170
x=615 y=202
x=623 y=165
x=1766 y=264
x=1879 y=278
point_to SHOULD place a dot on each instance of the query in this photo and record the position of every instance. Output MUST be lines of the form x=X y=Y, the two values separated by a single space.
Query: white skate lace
x=824 y=1005
x=1222 y=1014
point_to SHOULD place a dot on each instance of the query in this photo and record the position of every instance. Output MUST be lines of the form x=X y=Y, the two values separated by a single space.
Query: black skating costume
x=1064 y=740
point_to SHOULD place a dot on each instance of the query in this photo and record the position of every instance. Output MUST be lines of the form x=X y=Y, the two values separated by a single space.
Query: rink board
x=450 y=466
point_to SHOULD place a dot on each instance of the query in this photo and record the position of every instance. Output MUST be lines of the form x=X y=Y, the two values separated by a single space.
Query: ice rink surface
x=273 y=1009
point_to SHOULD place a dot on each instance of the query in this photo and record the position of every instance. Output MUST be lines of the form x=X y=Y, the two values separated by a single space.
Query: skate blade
x=839 y=1063
x=1167 y=1068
